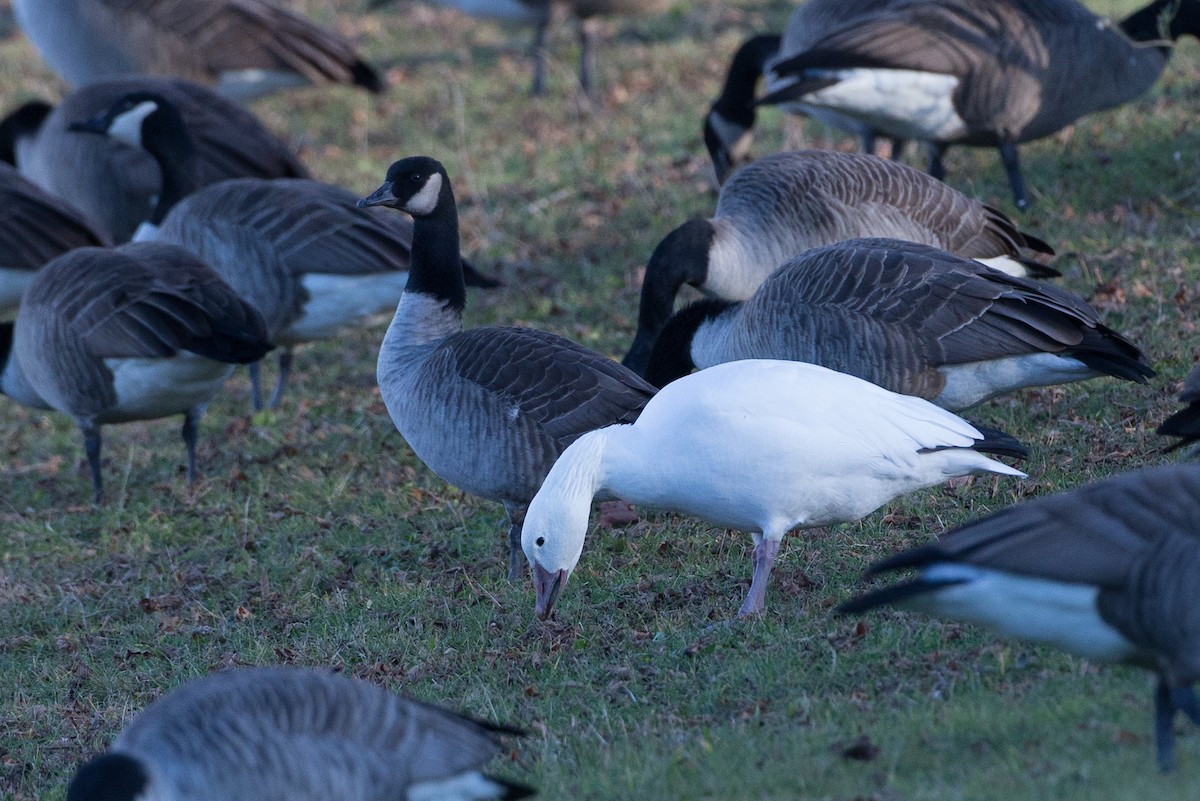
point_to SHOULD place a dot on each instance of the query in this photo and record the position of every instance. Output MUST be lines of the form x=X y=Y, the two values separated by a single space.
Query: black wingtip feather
x=472 y=277
x=805 y=86
x=1038 y=270
x=364 y=75
x=514 y=790
x=999 y=443
x=1037 y=243
x=1184 y=423
x=889 y=596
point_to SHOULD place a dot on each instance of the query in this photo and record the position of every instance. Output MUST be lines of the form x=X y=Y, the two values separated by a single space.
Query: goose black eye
x=541 y=540
x=416 y=177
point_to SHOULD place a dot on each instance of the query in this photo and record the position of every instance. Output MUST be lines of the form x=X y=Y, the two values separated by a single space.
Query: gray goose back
x=784 y=204
x=244 y=47
x=300 y=734
x=910 y=318
x=114 y=183
x=1126 y=548
x=35 y=226
x=489 y=409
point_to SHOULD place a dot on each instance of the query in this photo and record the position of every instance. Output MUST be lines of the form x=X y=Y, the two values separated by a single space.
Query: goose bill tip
x=547 y=586
x=380 y=197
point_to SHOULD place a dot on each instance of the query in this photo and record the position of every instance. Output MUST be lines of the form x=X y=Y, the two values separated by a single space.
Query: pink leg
x=763 y=558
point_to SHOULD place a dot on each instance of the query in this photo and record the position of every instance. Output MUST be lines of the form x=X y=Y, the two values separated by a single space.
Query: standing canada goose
x=728 y=126
x=910 y=318
x=784 y=204
x=139 y=332
x=1185 y=423
x=245 y=48
x=991 y=73
x=539 y=13
x=489 y=409
x=298 y=734
x=35 y=226
x=300 y=251
x=1108 y=572
x=758 y=446
x=116 y=184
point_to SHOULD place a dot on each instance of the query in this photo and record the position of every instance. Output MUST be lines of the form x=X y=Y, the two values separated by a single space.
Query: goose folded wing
x=565 y=388
x=1090 y=535
x=37 y=226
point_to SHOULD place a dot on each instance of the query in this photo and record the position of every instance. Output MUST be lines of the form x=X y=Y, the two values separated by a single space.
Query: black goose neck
x=6 y=342
x=165 y=137
x=1163 y=20
x=25 y=122
x=435 y=268
x=736 y=102
x=671 y=356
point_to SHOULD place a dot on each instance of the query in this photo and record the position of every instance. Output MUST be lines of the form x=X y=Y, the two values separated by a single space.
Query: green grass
x=316 y=538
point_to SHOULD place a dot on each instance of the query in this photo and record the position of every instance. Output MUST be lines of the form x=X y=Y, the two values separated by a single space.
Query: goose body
x=1107 y=572
x=758 y=446
x=138 y=332
x=910 y=318
x=770 y=211
x=245 y=48
x=982 y=72
x=298 y=734
x=487 y=409
x=115 y=183
x=35 y=226
x=300 y=251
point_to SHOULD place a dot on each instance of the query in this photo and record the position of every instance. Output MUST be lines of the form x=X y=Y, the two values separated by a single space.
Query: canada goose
x=245 y=48
x=539 y=13
x=139 y=332
x=295 y=733
x=1107 y=572
x=991 y=73
x=300 y=251
x=489 y=409
x=729 y=123
x=35 y=226
x=786 y=203
x=115 y=184
x=910 y=318
x=1185 y=423
x=759 y=446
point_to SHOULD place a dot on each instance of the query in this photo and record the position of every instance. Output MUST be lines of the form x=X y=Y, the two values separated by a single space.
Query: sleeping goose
x=245 y=48
x=299 y=734
x=1108 y=572
x=992 y=73
x=728 y=126
x=781 y=205
x=910 y=318
x=488 y=409
x=758 y=446
x=1185 y=423
x=35 y=226
x=539 y=14
x=115 y=184
x=300 y=251
x=139 y=332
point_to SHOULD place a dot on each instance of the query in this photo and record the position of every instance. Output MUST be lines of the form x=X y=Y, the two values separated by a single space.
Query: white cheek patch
x=425 y=201
x=127 y=126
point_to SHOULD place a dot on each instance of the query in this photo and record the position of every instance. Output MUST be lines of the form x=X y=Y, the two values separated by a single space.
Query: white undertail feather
x=336 y=301
x=1006 y=264
x=908 y=103
x=471 y=786
x=151 y=388
x=1054 y=612
x=975 y=382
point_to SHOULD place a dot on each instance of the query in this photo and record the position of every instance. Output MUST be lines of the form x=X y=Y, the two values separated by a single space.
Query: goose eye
x=416 y=177
x=541 y=540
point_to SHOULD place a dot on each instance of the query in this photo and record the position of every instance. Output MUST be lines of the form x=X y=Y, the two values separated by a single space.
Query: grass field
x=316 y=538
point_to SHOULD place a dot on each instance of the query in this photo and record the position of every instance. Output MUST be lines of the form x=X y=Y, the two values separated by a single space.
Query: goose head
x=553 y=533
x=417 y=185
x=112 y=777
x=138 y=119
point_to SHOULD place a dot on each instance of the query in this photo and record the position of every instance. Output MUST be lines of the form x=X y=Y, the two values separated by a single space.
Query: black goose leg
x=587 y=55
x=868 y=142
x=898 y=144
x=1012 y=166
x=516 y=555
x=91 y=446
x=1164 y=736
x=255 y=386
x=538 y=88
x=936 y=168
x=191 y=421
x=285 y=372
